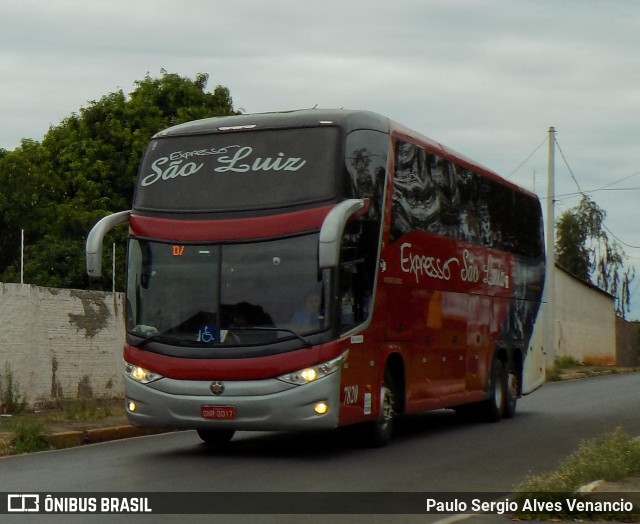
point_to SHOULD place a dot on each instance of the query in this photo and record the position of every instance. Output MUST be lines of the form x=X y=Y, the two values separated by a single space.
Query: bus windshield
x=231 y=294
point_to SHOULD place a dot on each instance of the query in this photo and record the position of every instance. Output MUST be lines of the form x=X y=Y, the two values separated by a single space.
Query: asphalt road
x=432 y=453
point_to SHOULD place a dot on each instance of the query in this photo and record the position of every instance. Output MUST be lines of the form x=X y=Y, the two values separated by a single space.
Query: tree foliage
x=84 y=169
x=584 y=248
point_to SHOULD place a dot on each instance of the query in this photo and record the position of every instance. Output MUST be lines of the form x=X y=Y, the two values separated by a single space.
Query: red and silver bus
x=313 y=269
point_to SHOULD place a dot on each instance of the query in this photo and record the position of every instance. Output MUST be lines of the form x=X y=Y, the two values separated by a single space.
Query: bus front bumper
x=255 y=405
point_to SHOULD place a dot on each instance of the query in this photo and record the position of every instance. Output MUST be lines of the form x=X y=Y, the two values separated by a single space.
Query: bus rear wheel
x=492 y=409
x=511 y=390
x=216 y=437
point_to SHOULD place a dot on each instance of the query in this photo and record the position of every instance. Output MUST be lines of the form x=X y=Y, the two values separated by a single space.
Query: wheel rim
x=499 y=392
x=512 y=386
x=386 y=408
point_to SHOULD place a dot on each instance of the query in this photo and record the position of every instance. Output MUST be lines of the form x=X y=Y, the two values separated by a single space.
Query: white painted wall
x=585 y=321
x=60 y=343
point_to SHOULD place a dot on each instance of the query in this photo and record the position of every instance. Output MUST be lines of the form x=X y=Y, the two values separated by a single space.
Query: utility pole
x=22 y=256
x=113 y=269
x=549 y=285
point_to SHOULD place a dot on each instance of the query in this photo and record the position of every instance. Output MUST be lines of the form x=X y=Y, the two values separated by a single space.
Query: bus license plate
x=218 y=412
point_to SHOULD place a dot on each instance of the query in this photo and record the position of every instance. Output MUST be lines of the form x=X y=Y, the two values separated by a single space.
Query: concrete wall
x=627 y=343
x=585 y=321
x=60 y=343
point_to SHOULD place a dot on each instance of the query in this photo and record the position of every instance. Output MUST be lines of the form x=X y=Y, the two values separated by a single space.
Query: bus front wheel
x=379 y=431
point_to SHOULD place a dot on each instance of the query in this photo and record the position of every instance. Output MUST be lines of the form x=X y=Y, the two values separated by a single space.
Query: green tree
x=23 y=197
x=584 y=248
x=84 y=169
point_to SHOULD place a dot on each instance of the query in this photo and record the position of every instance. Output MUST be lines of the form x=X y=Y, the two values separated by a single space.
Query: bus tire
x=511 y=394
x=379 y=432
x=216 y=437
x=492 y=409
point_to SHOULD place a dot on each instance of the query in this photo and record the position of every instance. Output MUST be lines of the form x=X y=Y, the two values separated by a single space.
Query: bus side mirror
x=332 y=229
x=96 y=239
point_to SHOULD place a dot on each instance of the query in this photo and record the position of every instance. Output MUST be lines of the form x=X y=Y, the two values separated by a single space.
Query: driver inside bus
x=311 y=317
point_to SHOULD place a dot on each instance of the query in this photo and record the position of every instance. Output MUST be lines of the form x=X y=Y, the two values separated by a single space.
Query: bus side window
x=347 y=296
x=356 y=277
x=354 y=298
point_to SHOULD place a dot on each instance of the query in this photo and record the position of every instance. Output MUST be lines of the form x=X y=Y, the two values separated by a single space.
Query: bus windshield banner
x=238 y=171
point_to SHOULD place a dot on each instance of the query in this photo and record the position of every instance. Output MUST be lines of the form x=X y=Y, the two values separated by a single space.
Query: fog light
x=321 y=408
x=132 y=406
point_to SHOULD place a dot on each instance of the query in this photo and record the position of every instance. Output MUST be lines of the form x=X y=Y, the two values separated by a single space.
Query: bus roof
x=345 y=118
x=456 y=157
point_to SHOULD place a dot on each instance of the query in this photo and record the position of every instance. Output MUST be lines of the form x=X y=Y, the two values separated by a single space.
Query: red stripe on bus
x=198 y=230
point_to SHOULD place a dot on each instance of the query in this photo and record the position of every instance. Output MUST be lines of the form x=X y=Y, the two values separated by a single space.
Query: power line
x=618 y=181
x=581 y=192
x=528 y=158
x=603 y=188
x=568 y=167
x=590 y=191
x=614 y=236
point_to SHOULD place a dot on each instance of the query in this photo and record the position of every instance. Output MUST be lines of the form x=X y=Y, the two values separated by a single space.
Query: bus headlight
x=144 y=376
x=310 y=374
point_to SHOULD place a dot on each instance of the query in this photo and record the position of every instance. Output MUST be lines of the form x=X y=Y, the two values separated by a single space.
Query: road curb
x=66 y=439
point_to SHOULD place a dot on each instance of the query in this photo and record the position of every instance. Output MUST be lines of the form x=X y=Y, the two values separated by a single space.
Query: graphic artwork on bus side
x=492 y=273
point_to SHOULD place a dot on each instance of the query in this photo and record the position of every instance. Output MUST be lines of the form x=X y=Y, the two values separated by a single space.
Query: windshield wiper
x=147 y=334
x=159 y=336
x=305 y=341
x=150 y=338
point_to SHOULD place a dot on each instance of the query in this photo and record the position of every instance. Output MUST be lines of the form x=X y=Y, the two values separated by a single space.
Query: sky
x=484 y=77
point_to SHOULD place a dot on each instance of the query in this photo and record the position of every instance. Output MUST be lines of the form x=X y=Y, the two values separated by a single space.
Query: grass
x=560 y=364
x=26 y=431
x=28 y=436
x=88 y=409
x=611 y=457
x=11 y=400
x=563 y=364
